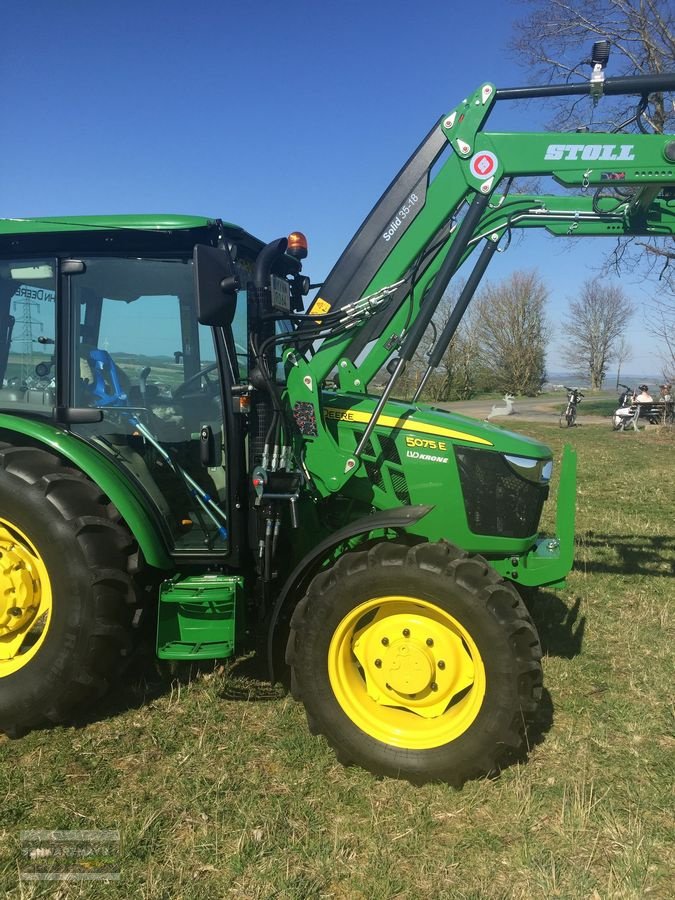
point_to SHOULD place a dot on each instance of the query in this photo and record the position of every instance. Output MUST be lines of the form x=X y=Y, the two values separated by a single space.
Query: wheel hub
x=412 y=661
x=406 y=672
x=19 y=585
x=407 y=667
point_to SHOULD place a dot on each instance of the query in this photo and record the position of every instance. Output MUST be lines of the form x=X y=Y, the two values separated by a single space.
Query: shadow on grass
x=629 y=554
x=561 y=628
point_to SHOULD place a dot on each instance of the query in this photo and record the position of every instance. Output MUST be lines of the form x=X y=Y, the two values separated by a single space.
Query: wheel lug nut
x=14 y=611
x=430 y=642
x=441 y=664
x=406 y=632
x=378 y=663
x=433 y=686
x=385 y=642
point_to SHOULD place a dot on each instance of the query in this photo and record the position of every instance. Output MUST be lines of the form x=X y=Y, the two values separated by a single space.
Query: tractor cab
x=105 y=337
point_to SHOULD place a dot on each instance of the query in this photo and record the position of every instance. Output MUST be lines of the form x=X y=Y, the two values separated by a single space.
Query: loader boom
x=424 y=228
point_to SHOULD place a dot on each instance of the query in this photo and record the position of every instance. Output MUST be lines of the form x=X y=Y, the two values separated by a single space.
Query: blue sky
x=276 y=116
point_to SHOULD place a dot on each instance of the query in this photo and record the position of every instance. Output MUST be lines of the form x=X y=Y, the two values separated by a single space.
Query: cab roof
x=117 y=233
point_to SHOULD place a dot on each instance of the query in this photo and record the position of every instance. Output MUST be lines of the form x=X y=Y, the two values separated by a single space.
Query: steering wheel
x=183 y=389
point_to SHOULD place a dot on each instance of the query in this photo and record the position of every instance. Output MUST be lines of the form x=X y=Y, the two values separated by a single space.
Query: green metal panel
x=413 y=463
x=97 y=223
x=120 y=490
x=196 y=616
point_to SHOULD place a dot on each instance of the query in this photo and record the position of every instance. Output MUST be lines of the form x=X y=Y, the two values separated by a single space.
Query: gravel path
x=525 y=409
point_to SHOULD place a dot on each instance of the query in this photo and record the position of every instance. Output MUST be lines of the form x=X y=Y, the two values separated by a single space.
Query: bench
x=658 y=412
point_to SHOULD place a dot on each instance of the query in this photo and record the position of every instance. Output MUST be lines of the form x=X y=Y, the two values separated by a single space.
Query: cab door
x=141 y=358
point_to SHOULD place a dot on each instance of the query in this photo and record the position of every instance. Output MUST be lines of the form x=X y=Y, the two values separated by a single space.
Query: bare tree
x=552 y=41
x=661 y=322
x=511 y=332
x=457 y=377
x=622 y=354
x=594 y=326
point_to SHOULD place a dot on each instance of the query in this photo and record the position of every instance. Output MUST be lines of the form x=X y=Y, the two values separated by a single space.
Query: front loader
x=183 y=444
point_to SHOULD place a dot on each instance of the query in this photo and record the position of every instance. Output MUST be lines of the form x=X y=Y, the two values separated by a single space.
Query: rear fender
x=132 y=507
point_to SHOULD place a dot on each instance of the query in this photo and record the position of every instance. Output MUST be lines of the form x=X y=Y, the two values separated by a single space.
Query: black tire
x=465 y=588
x=562 y=421
x=89 y=558
x=571 y=417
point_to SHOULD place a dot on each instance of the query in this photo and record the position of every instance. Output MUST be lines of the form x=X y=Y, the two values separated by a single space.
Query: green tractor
x=183 y=443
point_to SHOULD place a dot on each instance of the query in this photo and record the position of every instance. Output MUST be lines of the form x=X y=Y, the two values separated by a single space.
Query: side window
x=27 y=329
x=142 y=359
x=240 y=321
x=240 y=333
x=139 y=335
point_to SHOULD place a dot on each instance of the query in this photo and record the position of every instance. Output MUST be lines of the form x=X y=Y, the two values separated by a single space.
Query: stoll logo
x=591 y=152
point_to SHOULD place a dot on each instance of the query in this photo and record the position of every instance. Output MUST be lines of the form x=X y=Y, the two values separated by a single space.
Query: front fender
x=400 y=517
x=102 y=472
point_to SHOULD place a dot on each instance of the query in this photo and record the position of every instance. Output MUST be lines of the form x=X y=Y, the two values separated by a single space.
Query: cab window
x=142 y=358
x=27 y=329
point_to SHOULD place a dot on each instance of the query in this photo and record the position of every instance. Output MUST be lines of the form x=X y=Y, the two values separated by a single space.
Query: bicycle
x=568 y=417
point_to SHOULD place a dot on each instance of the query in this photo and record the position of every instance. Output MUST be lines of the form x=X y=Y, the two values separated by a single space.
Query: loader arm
x=451 y=197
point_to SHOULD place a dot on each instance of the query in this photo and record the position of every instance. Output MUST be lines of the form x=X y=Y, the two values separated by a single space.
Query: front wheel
x=418 y=663
x=571 y=417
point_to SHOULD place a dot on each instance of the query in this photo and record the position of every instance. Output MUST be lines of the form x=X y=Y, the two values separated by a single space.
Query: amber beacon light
x=297 y=245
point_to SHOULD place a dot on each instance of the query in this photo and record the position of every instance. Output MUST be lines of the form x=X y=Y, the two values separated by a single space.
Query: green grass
x=597 y=407
x=218 y=789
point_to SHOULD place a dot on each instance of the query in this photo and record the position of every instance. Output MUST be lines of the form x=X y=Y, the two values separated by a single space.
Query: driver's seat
x=106 y=388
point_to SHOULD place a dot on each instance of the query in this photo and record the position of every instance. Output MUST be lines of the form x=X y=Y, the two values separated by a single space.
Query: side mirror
x=216 y=285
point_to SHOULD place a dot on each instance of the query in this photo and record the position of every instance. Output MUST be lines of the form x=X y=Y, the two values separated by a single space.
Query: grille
x=398 y=482
x=497 y=500
x=389 y=449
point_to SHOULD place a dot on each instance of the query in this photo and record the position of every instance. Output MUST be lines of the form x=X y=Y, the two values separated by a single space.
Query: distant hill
x=629 y=378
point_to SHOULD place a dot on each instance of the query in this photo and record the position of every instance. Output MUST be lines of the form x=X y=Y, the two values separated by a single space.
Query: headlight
x=537 y=470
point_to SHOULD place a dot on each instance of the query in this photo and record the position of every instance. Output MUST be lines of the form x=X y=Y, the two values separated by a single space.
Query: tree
x=553 y=42
x=622 y=354
x=458 y=373
x=511 y=333
x=593 y=327
x=661 y=323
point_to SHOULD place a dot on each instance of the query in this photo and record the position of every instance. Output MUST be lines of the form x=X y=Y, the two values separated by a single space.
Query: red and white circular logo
x=483 y=164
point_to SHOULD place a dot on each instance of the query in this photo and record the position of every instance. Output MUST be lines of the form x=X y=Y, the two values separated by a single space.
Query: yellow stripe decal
x=352 y=415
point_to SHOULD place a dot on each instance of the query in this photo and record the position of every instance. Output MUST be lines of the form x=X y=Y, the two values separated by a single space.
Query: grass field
x=218 y=790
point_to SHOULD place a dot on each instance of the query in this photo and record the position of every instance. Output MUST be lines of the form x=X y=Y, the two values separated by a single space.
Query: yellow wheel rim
x=25 y=599
x=406 y=672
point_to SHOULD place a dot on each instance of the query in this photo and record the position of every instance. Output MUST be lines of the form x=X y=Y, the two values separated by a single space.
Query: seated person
x=644 y=396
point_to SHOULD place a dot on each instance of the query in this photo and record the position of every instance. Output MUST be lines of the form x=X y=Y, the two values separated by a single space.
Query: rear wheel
x=66 y=595
x=419 y=662
x=562 y=421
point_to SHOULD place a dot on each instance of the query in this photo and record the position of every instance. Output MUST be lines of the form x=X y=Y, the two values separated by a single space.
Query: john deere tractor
x=184 y=440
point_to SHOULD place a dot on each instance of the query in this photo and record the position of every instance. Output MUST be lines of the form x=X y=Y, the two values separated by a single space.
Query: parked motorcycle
x=568 y=416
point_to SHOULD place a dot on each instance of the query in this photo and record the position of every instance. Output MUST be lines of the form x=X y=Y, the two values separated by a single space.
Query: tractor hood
x=425 y=421
x=487 y=486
